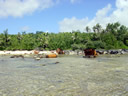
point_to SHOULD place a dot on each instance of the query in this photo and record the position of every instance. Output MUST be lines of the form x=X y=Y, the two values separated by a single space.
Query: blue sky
x=59 y=15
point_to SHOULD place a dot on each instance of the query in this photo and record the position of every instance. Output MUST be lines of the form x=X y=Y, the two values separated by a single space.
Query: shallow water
x=71 y=76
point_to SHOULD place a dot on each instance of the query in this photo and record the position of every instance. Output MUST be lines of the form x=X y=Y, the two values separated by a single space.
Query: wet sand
x=71 y=76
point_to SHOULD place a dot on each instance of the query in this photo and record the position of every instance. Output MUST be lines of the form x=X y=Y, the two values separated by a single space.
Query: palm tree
x=98 y=27
x=19 y=37
x=113 y=28
x=6 y=38
x=87 y=29
x=116 y=26
x=1 y=42
x=94 y=29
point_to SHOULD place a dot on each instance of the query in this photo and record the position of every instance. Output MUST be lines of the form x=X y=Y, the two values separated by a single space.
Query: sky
x=60 y=15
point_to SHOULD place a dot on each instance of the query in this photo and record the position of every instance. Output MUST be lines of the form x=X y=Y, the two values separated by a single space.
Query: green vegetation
x=114 y=36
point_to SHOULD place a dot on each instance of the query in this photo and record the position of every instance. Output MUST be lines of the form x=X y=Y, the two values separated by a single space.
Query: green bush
x=90 y=44
x=99 y=44
x=78 y=46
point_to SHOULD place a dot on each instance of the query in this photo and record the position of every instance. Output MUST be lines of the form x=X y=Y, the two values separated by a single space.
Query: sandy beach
x=25 y=52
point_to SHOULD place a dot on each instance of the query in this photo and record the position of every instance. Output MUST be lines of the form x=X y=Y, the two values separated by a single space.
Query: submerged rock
x=37 y=58
x=42 y=64
x=57 y=62
x=17 y=56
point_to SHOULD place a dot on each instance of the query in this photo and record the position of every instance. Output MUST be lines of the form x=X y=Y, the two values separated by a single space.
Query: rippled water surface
x=64 y=76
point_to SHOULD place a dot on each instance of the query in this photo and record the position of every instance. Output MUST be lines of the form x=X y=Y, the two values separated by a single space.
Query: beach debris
x=51 y=56
x=100 y=51
x=112 y=51
x=38 y=56
x=35 y=56
x=90 y=53
x=36 y=52
x=59 y=51
x=42 y=56
x=116 y=51
x=66 y=52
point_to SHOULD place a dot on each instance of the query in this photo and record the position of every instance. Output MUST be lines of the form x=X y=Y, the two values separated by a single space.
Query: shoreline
x=25 y=52
x=67 y=52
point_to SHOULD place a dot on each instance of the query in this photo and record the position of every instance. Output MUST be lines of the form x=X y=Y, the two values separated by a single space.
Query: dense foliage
x=114 y=36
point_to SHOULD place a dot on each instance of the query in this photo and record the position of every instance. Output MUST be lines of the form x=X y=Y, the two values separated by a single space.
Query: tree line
x=114 y=36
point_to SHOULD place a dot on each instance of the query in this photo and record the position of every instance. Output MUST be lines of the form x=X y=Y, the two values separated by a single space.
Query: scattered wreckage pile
x=54 y=53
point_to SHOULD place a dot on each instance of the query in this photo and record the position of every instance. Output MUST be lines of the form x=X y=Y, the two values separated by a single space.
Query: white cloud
x=25 y=28
x=103 y=16
x=122 y=4
x=72 y=24
x=19 y=8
